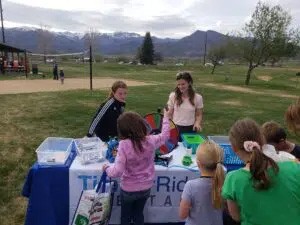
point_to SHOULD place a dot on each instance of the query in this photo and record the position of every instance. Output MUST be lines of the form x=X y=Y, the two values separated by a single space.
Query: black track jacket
x=104 y=123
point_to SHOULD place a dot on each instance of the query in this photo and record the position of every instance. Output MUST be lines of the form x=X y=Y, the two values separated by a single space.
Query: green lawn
x=27 y=119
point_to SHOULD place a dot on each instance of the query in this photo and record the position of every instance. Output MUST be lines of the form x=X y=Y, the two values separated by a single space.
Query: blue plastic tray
x=230 y=158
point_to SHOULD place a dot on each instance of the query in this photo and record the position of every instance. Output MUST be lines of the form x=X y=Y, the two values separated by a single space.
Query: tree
x=138 y=55
x=158 y=57
x=285 y=47
x=90 y=39
x=263 y=35
x=216 y=55
x=147 y=50
x=45 y=39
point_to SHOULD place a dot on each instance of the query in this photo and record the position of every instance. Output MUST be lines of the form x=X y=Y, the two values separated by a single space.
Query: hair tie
x=249 y=145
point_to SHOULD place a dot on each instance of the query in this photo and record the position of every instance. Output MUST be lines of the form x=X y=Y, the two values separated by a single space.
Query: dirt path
x=248 y=90
x=30 y=86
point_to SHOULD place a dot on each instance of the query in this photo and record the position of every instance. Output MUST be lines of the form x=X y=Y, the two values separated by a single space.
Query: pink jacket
x=136 y=169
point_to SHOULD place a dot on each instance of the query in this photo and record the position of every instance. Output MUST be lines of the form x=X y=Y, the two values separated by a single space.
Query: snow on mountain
x=117 y=43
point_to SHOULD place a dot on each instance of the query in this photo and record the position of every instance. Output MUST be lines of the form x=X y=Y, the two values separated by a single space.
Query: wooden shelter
x=17 y=63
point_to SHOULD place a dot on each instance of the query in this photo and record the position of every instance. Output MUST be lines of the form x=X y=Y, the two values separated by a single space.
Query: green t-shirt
x=278 y=205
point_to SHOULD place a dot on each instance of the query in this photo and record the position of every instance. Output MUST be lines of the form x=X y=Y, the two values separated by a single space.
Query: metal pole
x=25 y=66
x=205 y=43
x=1 y=11
x=91 y=70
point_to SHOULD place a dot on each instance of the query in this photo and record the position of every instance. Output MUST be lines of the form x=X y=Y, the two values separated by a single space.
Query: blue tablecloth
x=47 y=190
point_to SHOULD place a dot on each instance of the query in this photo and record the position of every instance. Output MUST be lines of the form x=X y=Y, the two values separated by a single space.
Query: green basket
x=192 y=141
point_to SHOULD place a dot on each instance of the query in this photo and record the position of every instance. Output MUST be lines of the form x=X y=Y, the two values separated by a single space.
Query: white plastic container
x=90 y=150
x=54 y=151
x=189 y=151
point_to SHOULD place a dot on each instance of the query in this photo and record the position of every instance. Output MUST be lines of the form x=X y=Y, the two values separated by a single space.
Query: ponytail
x=259 y=163
x=210 y=156
x=247 y=137
x=217 y=184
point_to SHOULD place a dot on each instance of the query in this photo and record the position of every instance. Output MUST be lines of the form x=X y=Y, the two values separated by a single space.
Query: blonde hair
x=292 y=116
x=211 y=156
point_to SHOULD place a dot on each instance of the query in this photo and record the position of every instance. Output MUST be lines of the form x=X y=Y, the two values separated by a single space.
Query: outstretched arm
x=160 y=139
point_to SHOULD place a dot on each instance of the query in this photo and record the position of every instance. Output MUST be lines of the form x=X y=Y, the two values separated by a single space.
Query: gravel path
x=30 y=86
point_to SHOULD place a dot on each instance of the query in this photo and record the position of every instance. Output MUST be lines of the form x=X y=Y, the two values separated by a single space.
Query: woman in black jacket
x=104 y=123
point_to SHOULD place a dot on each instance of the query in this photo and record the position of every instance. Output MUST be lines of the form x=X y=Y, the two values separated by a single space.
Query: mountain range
x=118 y=43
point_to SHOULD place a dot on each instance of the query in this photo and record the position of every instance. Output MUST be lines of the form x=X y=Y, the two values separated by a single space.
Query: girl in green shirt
x=263 y=192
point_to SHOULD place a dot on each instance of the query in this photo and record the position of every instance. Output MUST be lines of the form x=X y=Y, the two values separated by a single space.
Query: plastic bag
x=94 y=206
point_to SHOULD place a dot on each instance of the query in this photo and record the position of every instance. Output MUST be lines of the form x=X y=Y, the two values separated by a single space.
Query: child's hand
x=197 y=127
x=166 y=112
x=104 y=167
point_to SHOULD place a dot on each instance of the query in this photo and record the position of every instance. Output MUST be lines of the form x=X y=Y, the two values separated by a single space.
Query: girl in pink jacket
x=135 y=164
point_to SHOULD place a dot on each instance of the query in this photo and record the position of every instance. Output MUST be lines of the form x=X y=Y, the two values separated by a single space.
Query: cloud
x=219 y=23
x=169 y=23
x=30 y=15
x=293 y=7
x=80 y=21
x=163 y=18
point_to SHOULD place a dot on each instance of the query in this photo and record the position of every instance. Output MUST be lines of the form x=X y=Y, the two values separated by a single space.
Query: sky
x=163 y=18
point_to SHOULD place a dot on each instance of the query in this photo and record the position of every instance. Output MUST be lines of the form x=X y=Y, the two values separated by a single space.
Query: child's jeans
x=132 y=206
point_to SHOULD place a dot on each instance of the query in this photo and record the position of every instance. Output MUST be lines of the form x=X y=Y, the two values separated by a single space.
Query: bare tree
x=216 y=55
x=90 y=39
x=45 y=40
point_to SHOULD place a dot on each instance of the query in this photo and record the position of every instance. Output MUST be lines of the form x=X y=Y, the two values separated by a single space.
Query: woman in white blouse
x=185 y=105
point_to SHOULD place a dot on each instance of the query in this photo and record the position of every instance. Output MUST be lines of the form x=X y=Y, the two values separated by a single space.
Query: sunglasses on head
x=183 y=75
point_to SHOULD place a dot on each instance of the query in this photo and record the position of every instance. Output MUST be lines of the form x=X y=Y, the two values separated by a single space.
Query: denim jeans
x=132 y=206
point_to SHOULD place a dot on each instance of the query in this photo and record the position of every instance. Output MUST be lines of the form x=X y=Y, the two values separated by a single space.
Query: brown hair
x=191 y=92
x=249 y=130
x=132 y=126
x=210 y=156
x=116 y=85
x=273 y=132
x=292 y=116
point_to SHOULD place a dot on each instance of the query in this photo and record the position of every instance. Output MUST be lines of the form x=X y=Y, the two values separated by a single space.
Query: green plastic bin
x=192 y=141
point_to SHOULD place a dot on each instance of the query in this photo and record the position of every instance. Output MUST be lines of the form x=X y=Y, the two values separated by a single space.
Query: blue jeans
x=132 y=206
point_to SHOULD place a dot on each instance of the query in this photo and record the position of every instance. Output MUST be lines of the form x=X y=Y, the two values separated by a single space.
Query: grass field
x=27 y=119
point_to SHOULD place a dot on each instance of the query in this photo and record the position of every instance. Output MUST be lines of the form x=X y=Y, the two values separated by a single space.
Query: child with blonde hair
x=201 y=201
x=263 y=192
